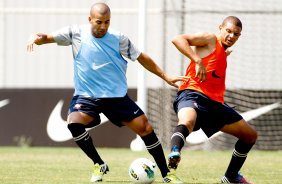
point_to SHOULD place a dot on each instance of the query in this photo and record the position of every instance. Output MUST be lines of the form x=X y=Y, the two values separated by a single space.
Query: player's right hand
x=37 y=39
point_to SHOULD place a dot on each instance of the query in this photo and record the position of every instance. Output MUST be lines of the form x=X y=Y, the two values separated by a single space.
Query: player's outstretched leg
x=232 y=174
x=154 y=147
x=178 y=140
x=84 y=141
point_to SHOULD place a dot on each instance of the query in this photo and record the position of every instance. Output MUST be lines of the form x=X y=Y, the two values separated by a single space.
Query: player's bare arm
x=39 y=39
x=201 y=41
x=148 y=63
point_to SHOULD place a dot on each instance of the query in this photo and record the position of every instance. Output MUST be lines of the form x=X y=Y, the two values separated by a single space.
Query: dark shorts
x=211 y=115
x=117 y=110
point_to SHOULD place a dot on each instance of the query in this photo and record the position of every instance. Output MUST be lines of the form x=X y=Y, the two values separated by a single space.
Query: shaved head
x=100 y=8
x=233 y=20
x=99 y=18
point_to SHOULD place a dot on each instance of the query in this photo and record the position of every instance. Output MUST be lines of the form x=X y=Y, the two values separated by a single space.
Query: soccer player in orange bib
x=200 y=100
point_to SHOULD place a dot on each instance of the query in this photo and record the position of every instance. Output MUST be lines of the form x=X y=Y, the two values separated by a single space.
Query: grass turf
x=70 y=166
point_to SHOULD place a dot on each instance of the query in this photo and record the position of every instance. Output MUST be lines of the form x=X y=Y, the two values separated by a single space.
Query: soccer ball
x=142 y=170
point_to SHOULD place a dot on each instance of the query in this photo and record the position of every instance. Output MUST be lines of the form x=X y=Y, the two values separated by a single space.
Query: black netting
x=268 y=125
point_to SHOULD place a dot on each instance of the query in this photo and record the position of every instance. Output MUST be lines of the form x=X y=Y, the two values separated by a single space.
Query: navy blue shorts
x=117 y=110
x=211 y=115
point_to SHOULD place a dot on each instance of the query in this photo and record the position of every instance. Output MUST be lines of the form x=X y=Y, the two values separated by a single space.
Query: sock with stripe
x=178 y=138
x=84 y=141
x=154 y=147
x=239 y=156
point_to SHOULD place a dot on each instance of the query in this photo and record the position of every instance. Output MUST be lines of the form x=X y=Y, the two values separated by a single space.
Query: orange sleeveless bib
x=214 y=85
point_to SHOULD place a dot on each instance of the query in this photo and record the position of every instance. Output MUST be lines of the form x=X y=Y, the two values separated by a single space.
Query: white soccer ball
x=142 y=170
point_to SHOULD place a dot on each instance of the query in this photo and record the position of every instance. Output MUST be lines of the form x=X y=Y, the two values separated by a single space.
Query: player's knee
x=93 y=123
x=253 y=137
x=189 y=124
x=146 y=129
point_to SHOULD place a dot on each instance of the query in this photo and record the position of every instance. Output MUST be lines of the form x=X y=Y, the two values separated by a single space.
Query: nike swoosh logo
x=4 y=102
x=199 y=136
x=96 y=67
x=215 y=75
x=57 y=129
x=135 y=112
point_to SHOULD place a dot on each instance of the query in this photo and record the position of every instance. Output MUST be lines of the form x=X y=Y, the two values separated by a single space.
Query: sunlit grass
x=71 y=166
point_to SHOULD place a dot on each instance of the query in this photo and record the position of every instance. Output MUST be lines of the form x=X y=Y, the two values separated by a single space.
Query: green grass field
x=71 y=166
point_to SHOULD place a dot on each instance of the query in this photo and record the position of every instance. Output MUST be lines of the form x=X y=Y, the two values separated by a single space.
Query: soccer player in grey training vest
x=101 y=87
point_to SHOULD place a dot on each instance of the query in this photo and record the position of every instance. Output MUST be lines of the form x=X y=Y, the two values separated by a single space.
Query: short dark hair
x=233 y=20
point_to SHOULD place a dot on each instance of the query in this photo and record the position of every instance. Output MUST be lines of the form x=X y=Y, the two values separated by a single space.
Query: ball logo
x=149 y=171
x=142 y=170
x=133 y=174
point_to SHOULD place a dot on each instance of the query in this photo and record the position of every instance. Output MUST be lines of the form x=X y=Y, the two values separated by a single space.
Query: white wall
x=255 y=62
